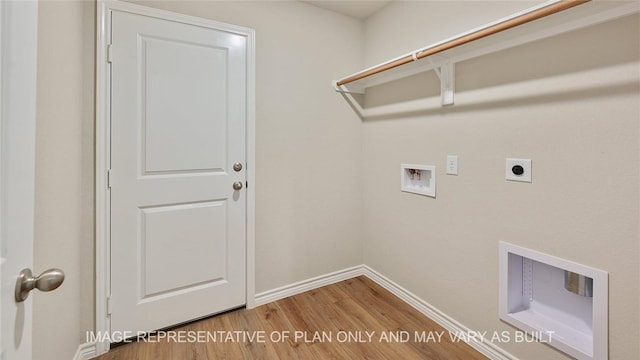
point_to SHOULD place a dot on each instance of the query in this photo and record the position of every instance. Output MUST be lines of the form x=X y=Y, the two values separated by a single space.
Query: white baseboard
x=487 y=349
x=85 y=351
x=309 y=284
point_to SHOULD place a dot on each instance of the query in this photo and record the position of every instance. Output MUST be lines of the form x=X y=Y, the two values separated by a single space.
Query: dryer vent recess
x=541 y=292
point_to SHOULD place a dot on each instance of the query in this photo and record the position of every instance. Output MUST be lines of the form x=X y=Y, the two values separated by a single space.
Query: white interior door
x=18 y=31
x=178 y=206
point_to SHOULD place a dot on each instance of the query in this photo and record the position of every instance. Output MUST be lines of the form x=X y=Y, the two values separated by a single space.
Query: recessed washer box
x=563 y=301
x=418 y=179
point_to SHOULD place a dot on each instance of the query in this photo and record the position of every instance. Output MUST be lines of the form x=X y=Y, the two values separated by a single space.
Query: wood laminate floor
x=353 y=319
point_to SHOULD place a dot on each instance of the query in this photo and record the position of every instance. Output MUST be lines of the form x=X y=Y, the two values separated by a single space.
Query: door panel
x=177 y=125
x=18 y=60
x=183 y=246
x=197 y=140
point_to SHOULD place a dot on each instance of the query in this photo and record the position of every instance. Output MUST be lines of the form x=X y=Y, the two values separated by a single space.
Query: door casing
x=103 y=149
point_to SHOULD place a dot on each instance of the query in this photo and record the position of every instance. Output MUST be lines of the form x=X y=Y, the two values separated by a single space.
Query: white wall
x=584 y=143
x=308 y=151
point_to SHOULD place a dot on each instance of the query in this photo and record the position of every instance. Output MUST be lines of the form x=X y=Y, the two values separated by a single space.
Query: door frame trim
x=104 y=9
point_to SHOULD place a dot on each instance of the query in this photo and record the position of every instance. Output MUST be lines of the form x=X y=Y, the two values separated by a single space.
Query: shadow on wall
x=592 y=48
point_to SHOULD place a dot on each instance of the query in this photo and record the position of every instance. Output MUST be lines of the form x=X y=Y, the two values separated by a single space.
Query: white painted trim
x=251 y=167
x=86 y=351
x=176 y=17
x=103 y=150
x=2 y=259
x=282 y=292
x=488 y=349
x=102 y=164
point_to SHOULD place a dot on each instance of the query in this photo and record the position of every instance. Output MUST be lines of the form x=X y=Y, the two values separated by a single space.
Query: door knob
x=49 y=280
x=237 y=167
x=237 y=185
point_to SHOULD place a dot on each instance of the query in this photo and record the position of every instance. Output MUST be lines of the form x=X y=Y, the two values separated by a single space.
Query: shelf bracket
x=446 y=73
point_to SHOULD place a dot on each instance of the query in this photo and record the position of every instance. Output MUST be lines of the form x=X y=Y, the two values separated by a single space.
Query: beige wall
x=64 y=176
x=308 y=150
x=571 y=104
x=328 y=183
x=401 y=28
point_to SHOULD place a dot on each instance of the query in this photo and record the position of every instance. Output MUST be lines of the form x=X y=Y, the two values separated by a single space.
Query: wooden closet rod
x=508 y=24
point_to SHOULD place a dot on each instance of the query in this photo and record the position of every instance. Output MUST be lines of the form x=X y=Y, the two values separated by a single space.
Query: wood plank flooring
x=353 y=319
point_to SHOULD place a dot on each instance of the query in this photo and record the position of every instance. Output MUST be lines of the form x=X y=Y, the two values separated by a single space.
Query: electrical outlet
x=518 y=170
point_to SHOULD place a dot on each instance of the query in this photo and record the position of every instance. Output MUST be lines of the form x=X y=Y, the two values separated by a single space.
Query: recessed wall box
x=564 y=302
x=418 y=179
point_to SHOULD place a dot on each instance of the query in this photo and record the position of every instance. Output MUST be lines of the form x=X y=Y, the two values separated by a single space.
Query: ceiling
x=360 y=9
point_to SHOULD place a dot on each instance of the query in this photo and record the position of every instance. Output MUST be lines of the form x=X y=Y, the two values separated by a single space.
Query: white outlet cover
x=526 y=165
x=452 y=164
